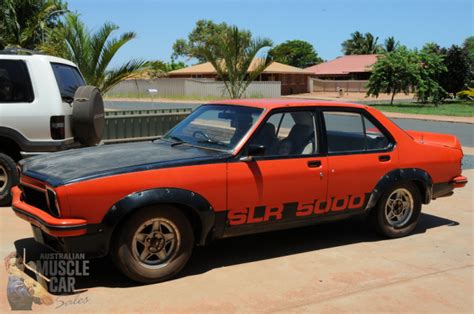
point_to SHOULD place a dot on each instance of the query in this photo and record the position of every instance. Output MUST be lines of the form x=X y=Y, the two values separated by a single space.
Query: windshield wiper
x=209 y=141
x=178 y=141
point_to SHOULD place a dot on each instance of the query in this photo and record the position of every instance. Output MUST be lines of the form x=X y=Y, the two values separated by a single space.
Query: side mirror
x=254 y=150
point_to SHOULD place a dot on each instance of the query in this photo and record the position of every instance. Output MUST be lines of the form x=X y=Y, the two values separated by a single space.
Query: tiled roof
x=273 y=68
x=345 y=65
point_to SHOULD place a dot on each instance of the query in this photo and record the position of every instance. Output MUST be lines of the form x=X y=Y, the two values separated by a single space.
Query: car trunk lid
x=436 y=139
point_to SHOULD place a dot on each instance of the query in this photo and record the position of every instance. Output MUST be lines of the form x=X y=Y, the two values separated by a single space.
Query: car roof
x=274 y=103
x=41 y=57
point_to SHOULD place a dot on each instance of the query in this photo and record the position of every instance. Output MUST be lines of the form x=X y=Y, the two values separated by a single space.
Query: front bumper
x=56 y=227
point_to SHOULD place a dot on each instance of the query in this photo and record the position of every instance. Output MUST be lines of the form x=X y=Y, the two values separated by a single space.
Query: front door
x=284 y=186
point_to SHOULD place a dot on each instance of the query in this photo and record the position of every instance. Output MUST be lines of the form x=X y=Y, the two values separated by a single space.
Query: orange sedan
x=232 y=168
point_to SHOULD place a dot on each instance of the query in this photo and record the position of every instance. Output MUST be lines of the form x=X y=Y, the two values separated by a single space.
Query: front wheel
x=154 y=245
x=396 y=213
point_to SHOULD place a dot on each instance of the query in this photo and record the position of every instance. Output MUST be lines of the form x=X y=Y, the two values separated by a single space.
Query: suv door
x=360 y=152
x=286 y=183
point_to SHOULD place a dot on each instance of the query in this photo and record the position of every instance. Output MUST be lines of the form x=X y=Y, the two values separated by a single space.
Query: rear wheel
x=396 y=213
x=8 y=178
x=154 y=245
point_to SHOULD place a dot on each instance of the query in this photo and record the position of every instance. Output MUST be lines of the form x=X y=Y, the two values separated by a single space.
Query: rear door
x=360 y=152
x=284 y=186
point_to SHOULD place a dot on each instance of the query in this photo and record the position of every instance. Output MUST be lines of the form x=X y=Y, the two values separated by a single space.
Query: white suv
x=44 y=107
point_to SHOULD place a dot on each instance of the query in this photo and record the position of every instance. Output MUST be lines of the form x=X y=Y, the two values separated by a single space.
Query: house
x=353 y=67
x=293 y=80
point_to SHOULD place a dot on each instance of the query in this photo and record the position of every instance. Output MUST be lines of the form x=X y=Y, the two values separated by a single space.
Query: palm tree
x=93 y=52
x=25 y=22
x=390 y=44
x=360 y=44
x=233 y=54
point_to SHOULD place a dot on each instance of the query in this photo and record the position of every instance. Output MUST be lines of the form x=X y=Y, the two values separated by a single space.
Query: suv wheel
x=154 y=245
x=8 y=178
x=397 y=212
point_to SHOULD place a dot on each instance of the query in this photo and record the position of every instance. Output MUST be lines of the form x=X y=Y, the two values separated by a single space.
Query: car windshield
x=218 y=127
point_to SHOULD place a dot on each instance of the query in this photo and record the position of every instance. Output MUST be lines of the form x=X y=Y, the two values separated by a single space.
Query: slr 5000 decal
x=292 y=210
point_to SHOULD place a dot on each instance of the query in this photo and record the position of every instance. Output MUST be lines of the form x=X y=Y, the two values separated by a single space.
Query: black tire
x=379 y=217
x=88 y=118
x=8 y=178
x=128 y=262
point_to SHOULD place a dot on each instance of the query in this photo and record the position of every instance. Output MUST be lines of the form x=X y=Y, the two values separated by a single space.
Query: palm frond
x=125 y=71
x=109 y=50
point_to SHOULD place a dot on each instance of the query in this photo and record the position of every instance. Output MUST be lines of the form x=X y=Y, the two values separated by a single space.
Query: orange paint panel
x=92 y=199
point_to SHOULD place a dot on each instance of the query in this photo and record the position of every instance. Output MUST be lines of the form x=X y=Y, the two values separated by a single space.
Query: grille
x=39 y=199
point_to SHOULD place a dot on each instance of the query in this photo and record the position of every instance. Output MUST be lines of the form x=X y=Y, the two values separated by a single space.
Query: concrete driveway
x=333 y=267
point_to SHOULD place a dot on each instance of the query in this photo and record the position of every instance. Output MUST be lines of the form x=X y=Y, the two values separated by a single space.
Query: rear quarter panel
x=442 y=163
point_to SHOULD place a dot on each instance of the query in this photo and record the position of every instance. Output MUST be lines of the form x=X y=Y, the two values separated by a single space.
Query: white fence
x=319 y=85
x=183 y=87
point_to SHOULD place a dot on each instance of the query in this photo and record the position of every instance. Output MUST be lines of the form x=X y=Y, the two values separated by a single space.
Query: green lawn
x=455 y=108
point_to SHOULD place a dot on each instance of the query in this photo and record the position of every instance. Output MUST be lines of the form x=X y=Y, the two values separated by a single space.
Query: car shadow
x=244 y=249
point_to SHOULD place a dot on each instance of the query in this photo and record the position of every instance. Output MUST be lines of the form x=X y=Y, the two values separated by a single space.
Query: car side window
x=288 y=134
x=352 y=132
x=15 y=82
x=68 y=79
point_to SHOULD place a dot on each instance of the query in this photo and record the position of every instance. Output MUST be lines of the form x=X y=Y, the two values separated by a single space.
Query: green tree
x=93 y=52
x=430 y=68
x=360 y=44
x=297 y=53
x=390 y=44
x=433 y=47
x=203 y=33
x=24 y=23
x=393 y=73
x=457 y=63
x=233 y=54
x=402 y=69
x=468 y=46
x=458 y=74
x=159 y=68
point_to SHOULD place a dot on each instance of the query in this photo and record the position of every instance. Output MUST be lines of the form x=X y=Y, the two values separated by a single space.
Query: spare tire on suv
x=88 y=119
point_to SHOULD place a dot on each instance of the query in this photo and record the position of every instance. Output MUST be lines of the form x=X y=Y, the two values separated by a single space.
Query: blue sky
x=325 y=24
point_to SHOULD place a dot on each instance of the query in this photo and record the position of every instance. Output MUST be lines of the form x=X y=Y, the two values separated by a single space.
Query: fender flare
x=420 y=176
x=198 y=204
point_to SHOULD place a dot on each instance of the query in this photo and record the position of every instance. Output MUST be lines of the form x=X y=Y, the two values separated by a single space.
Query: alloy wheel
x=156 y=242
x=399 y=208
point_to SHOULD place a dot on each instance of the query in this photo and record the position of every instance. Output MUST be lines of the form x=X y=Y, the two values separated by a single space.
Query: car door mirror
x=254 y=150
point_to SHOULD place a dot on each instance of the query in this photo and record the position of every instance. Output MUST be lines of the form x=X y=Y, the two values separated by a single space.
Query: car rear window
x=15 y=82
x=68 y=79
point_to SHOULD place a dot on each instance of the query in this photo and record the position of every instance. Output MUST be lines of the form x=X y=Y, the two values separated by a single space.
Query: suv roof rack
x=19 y=51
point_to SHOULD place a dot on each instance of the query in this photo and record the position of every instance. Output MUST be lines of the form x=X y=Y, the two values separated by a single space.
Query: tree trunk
x=393 y=96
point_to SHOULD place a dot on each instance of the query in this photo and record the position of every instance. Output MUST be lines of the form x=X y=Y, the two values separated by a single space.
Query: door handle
x=314 y=163
x=384 y=158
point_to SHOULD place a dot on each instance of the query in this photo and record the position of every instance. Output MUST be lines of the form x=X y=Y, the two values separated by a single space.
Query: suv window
x=68 y=79
x=15 y=82
x=288 y=134
x=352 y=132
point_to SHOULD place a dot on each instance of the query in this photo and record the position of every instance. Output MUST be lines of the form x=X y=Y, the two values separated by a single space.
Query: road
x=335 y=267
x=464 y=131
